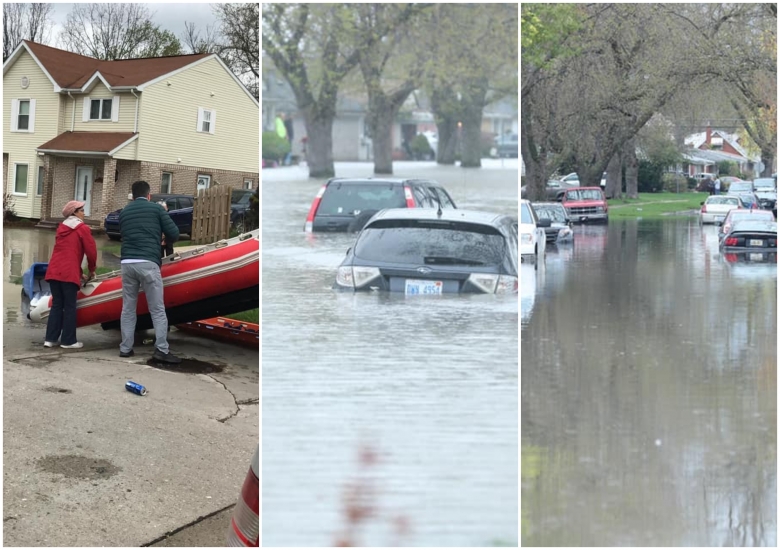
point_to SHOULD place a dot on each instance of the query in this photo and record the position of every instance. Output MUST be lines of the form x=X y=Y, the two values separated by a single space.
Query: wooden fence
x=211 y=215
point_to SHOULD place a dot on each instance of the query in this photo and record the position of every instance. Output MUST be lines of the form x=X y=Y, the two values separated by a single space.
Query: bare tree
x=208 y=42
x=116 y=31
x=25 y=22
x=240 y=48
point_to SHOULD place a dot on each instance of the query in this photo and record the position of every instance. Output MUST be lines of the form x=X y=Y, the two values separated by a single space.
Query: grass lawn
x=251 y=316
x=655 y=205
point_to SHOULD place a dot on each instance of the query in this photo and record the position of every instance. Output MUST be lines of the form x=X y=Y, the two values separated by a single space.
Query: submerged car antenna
x=438 y=201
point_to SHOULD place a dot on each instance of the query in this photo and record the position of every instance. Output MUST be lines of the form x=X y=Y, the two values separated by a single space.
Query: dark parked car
x=507 y=146
x=749 y=200
x=560 y=224
x=766 y=190
x=754 y=240
x=554 y=189
x=179 y=208
x=240 y=207
x=346 y=204
x=425 y=252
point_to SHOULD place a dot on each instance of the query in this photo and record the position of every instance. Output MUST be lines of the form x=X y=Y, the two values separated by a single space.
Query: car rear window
x=239 y=196
x=723 y=200
x=741 y=186
x=352 y=199
x=424 y=242
x=525 y=214
x=764 y=183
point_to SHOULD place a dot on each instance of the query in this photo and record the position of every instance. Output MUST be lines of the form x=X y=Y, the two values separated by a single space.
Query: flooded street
x=649 y=402
x=424 y=390
x=24 y=246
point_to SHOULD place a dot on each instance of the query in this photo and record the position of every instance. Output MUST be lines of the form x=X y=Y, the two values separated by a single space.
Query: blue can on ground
x=135 y=388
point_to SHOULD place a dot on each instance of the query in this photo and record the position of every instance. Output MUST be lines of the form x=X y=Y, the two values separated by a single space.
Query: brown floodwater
x=648 y=392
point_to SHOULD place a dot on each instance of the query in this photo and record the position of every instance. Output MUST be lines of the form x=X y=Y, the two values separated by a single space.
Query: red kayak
x=215 y=279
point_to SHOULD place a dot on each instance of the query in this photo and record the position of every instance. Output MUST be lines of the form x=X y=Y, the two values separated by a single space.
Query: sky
x=170 y=17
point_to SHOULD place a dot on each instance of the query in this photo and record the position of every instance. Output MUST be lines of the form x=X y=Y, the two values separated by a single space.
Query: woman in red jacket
x=74 y=240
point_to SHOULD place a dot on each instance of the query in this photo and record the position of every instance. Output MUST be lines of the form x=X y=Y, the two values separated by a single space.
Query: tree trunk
x=472 y=136
x=534 y=159
x=319 y=152
x=632 y=169
x=768 y=159
x=447 y=129
x=613 y=187
x=381 y=124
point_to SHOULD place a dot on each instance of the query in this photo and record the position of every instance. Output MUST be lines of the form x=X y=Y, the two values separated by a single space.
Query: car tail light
x=486 y=282
x=409 y=196
x=245 y=523
x=730 y=258
x=731 y=241
x=309 y=226
x=703 y=208
x=506 y=284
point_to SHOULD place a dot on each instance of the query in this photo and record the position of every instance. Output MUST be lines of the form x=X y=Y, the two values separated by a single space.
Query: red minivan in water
x=586 y=204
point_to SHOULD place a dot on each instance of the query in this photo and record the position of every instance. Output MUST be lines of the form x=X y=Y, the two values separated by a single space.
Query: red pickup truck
x=586 y=204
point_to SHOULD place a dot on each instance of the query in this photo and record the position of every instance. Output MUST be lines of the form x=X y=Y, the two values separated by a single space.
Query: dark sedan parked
x=179 y=208
x=425 y=252
x=755 y=239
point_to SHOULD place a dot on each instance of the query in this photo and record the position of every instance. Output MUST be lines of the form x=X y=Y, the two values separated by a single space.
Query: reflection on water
x=649 y=403
x=430 y=384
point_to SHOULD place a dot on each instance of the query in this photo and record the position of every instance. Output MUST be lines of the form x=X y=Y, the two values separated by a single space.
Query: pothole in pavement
x=75 y=466
x=187 y=366
x=54 y=389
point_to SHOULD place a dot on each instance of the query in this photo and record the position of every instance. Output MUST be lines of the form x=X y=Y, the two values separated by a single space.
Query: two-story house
x=78 y=127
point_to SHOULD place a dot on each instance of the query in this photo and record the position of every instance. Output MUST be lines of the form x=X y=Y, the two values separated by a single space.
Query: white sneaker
x=49 y=344
x=72 y=346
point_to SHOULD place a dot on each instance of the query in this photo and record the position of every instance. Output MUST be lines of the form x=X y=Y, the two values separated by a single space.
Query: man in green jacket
x=141 y=223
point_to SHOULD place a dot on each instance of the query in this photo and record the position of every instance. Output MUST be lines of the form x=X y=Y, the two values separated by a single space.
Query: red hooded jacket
x=74 y=239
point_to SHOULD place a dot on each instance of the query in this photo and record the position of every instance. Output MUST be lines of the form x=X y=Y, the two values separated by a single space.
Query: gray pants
x=143 y=276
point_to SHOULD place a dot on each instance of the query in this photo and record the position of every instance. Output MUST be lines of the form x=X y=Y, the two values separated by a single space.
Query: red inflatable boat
x=215 y=279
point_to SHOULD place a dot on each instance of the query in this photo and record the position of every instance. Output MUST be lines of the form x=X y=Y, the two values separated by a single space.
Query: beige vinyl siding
x=128 y=152
x=126 y=122
x=21 y=146
x=169 y=115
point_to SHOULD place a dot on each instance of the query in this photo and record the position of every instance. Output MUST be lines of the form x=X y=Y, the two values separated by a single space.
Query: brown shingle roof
x=93 y=142
x=72 y=70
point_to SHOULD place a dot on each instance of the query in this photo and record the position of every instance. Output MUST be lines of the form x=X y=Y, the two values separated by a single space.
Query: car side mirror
x=544 y=222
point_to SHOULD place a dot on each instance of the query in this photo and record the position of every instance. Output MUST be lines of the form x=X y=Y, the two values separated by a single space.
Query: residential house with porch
x=80 y=128
x=705 y=150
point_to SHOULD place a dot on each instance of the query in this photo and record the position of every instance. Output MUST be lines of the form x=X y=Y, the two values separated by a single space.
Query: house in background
x=351 y=139
x=706 y=149
x=80 y=128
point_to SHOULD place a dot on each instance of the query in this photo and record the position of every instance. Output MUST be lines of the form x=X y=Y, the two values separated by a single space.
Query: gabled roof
x=71 y=71
x=697 y=140
x=98 y=143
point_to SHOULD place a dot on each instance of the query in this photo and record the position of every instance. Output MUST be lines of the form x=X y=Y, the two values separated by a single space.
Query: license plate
x=417 y=287
x=756 y=242
x=756 y=257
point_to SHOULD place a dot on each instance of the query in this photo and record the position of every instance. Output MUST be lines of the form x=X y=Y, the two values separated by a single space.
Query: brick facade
x=109 y=194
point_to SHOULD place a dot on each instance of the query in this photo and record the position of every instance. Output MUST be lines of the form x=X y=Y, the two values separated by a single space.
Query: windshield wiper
x=445 y=260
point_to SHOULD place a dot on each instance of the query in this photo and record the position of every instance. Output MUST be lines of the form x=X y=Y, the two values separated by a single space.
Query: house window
x=20 y=180
x=165 y=184
x=100 y=109
x=247 y=184
x=204 y=181
x=24 y=115
x=39 y=190
x=207 y=120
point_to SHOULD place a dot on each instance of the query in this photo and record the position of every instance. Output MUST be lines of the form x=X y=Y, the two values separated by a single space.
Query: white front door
x=84 y=187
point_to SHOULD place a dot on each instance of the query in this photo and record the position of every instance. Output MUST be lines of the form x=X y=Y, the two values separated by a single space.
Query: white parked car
x=533 y=242
x=716 y=207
